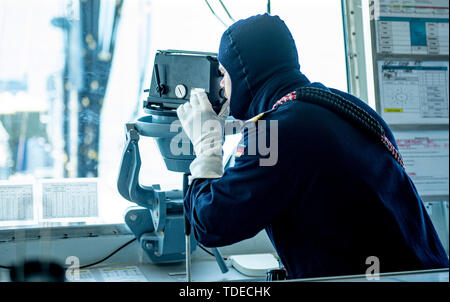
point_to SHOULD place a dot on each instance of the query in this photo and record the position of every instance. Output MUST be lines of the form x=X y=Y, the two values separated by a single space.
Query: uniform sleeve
x=247 y=198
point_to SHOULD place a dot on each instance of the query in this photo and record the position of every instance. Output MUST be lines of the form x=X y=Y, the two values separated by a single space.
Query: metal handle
x=128 y=180
x=187 y=231
x=220 y=262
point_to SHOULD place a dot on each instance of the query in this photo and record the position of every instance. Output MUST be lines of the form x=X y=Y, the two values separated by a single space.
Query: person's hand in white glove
x=205 y=129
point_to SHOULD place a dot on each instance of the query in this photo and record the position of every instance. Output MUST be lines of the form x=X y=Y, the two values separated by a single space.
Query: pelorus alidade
x=159 y=222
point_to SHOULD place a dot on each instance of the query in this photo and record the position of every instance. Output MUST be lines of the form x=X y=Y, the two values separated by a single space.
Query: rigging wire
x=214 y=13
x=226 y=10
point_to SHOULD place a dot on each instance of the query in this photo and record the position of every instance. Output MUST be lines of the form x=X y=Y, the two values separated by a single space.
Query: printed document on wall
x=413 y=92
x=414 y=27
x=426 y=158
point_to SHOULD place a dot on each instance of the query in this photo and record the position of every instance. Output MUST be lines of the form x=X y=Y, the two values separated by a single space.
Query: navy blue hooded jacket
x=334 y=197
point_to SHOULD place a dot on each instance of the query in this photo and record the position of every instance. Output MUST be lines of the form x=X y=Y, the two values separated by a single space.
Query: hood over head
x=261 y=58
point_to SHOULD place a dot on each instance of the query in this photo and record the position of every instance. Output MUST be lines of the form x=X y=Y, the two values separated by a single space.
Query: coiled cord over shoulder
x=343 y=107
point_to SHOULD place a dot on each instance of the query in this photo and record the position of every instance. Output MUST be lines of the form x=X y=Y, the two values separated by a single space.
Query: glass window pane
x=74 y=72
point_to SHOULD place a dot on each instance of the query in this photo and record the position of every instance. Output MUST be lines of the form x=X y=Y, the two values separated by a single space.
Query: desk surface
x=131 y=263
x=437 y=275
x=208 y=271
x=201 y=271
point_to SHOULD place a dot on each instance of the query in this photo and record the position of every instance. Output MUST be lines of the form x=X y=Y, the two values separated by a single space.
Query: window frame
x=14 y=234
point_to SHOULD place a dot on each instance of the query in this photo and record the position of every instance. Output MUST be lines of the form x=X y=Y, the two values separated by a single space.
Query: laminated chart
x=426 y=158
x=84 y=275
x=123 y=274
x=413 y=27
x=69 y=199
x=413 y=92
x=16 y=202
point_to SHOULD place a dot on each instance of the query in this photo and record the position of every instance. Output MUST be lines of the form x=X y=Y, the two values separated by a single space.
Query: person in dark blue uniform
x=334 y=191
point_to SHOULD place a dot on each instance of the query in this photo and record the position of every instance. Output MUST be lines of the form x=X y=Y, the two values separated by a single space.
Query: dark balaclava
x=261 y=58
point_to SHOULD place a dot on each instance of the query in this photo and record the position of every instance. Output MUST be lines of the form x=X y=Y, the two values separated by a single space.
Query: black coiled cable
x=343 y=107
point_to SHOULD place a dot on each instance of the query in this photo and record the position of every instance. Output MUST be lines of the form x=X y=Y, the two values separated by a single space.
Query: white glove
x=205 y=129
